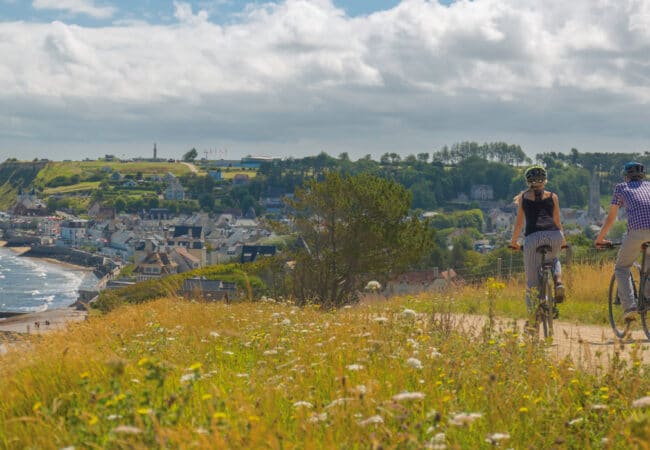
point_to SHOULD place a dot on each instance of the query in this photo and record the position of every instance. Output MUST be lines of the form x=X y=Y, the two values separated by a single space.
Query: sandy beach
x=41 y=322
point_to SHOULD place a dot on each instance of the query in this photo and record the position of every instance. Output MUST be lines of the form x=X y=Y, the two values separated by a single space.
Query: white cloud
x=303 y=74
x=86 y=7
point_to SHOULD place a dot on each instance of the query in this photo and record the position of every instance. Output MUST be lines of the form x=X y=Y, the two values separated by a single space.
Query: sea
x=31 y=284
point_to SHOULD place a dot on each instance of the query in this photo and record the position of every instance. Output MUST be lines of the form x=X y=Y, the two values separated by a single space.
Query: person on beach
x=540 y=210
x=634 y=195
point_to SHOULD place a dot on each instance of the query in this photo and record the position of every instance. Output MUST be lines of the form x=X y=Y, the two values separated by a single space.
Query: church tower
x=594 y=196
x=155 y=152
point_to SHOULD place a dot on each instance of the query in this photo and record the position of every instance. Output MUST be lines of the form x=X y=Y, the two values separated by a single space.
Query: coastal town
x=149 y=244
x=143 y=219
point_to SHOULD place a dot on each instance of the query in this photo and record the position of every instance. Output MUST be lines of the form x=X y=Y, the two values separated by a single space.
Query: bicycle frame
x=543 y=307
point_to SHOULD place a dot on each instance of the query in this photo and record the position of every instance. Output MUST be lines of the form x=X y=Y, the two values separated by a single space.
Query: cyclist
x=634 y=195
x=541 y=211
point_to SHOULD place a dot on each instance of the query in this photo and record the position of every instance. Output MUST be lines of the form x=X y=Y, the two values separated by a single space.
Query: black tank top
x=539 y=214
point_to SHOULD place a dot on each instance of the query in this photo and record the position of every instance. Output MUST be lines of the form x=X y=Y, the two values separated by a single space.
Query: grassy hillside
x=391 y=374
x=13 y=175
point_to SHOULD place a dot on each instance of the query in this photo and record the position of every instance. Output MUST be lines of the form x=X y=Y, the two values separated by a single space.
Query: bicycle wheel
x=643 y=304
x=620 y=327
x=547 y=303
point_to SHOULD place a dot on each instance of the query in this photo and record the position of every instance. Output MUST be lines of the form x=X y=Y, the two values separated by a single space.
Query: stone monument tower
x=593 y=210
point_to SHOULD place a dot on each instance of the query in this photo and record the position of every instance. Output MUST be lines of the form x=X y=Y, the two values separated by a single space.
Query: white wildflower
x=339 y=401
x=354 y=367
x=642 y=402
x=431 y=446
x=577 y=421
x=316 y=417
x=599 y=407
x=242 y=375
x=412 y=343
x=228 y=352
x=275 y=315
x=361 y=389
x=127 y=429
x=414 y=363
x=381 y=319
x=270 y=352
x=464 y=419
x=114 y=417
x=409 y=314
x=373 y=286
x=202 y=431
x=347 y=307
x=495 y=438
x=189 y=377
x=286 y=322
x=214 y=334
x=372 y=420
x=434 y=353
x=439 y=438
x=403 y=396
x=303 y=404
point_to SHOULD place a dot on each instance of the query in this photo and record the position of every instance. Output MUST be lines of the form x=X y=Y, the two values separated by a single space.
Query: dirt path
x=591 y=347
x=191 y=166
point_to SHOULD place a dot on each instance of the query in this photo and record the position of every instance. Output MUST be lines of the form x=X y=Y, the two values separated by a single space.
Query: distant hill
x=70 y=177
x=14 y=175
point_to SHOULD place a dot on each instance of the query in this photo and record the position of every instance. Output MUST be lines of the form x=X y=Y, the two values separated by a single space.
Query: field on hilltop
x=87 y=169
x=399 y=373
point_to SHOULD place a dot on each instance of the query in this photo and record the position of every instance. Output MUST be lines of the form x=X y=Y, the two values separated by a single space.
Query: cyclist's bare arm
x=519 y=224
x=609 y=221
x=556 y=216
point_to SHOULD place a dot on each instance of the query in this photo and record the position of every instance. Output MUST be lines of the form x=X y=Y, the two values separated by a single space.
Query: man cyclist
x=541 y=210
x=634 y=195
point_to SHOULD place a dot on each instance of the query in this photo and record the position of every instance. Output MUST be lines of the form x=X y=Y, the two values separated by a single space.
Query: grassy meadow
x=399 y=373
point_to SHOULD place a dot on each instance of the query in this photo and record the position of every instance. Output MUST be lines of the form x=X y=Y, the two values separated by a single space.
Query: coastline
x=38 y=322
x=22 y=250
x=41 y=321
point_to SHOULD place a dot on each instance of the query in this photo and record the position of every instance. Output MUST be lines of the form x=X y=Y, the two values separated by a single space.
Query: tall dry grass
x=586 y=301
x=392 y=374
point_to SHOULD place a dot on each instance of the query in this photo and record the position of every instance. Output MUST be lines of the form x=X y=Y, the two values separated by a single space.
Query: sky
x=292 y=78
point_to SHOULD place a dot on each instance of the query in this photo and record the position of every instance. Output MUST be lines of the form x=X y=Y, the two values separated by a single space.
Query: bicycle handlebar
x=607 y=245
x=521 y=247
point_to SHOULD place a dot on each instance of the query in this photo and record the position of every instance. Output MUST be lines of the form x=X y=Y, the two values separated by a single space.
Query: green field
x=79 y=187
x=86 y=169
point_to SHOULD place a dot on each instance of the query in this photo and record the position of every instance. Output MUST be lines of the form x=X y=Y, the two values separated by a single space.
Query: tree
x=191 y=155
x=353 y=228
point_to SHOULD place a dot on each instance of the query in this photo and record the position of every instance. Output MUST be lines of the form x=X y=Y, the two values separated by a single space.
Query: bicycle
x=544 y=307
x=639 y=275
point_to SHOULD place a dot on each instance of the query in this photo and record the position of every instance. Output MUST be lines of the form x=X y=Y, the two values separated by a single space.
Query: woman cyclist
x=540 y=209
x=634 y=195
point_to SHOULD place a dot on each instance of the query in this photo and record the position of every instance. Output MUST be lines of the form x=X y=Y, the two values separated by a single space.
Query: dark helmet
x=535 y=174
x=634 y=170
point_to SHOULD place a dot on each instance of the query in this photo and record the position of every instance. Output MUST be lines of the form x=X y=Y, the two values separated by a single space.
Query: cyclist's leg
x=532 y=261
x=556 y=246
x=627 y=254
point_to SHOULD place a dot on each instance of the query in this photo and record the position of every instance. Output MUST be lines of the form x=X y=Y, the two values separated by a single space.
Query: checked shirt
x=635 y=197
